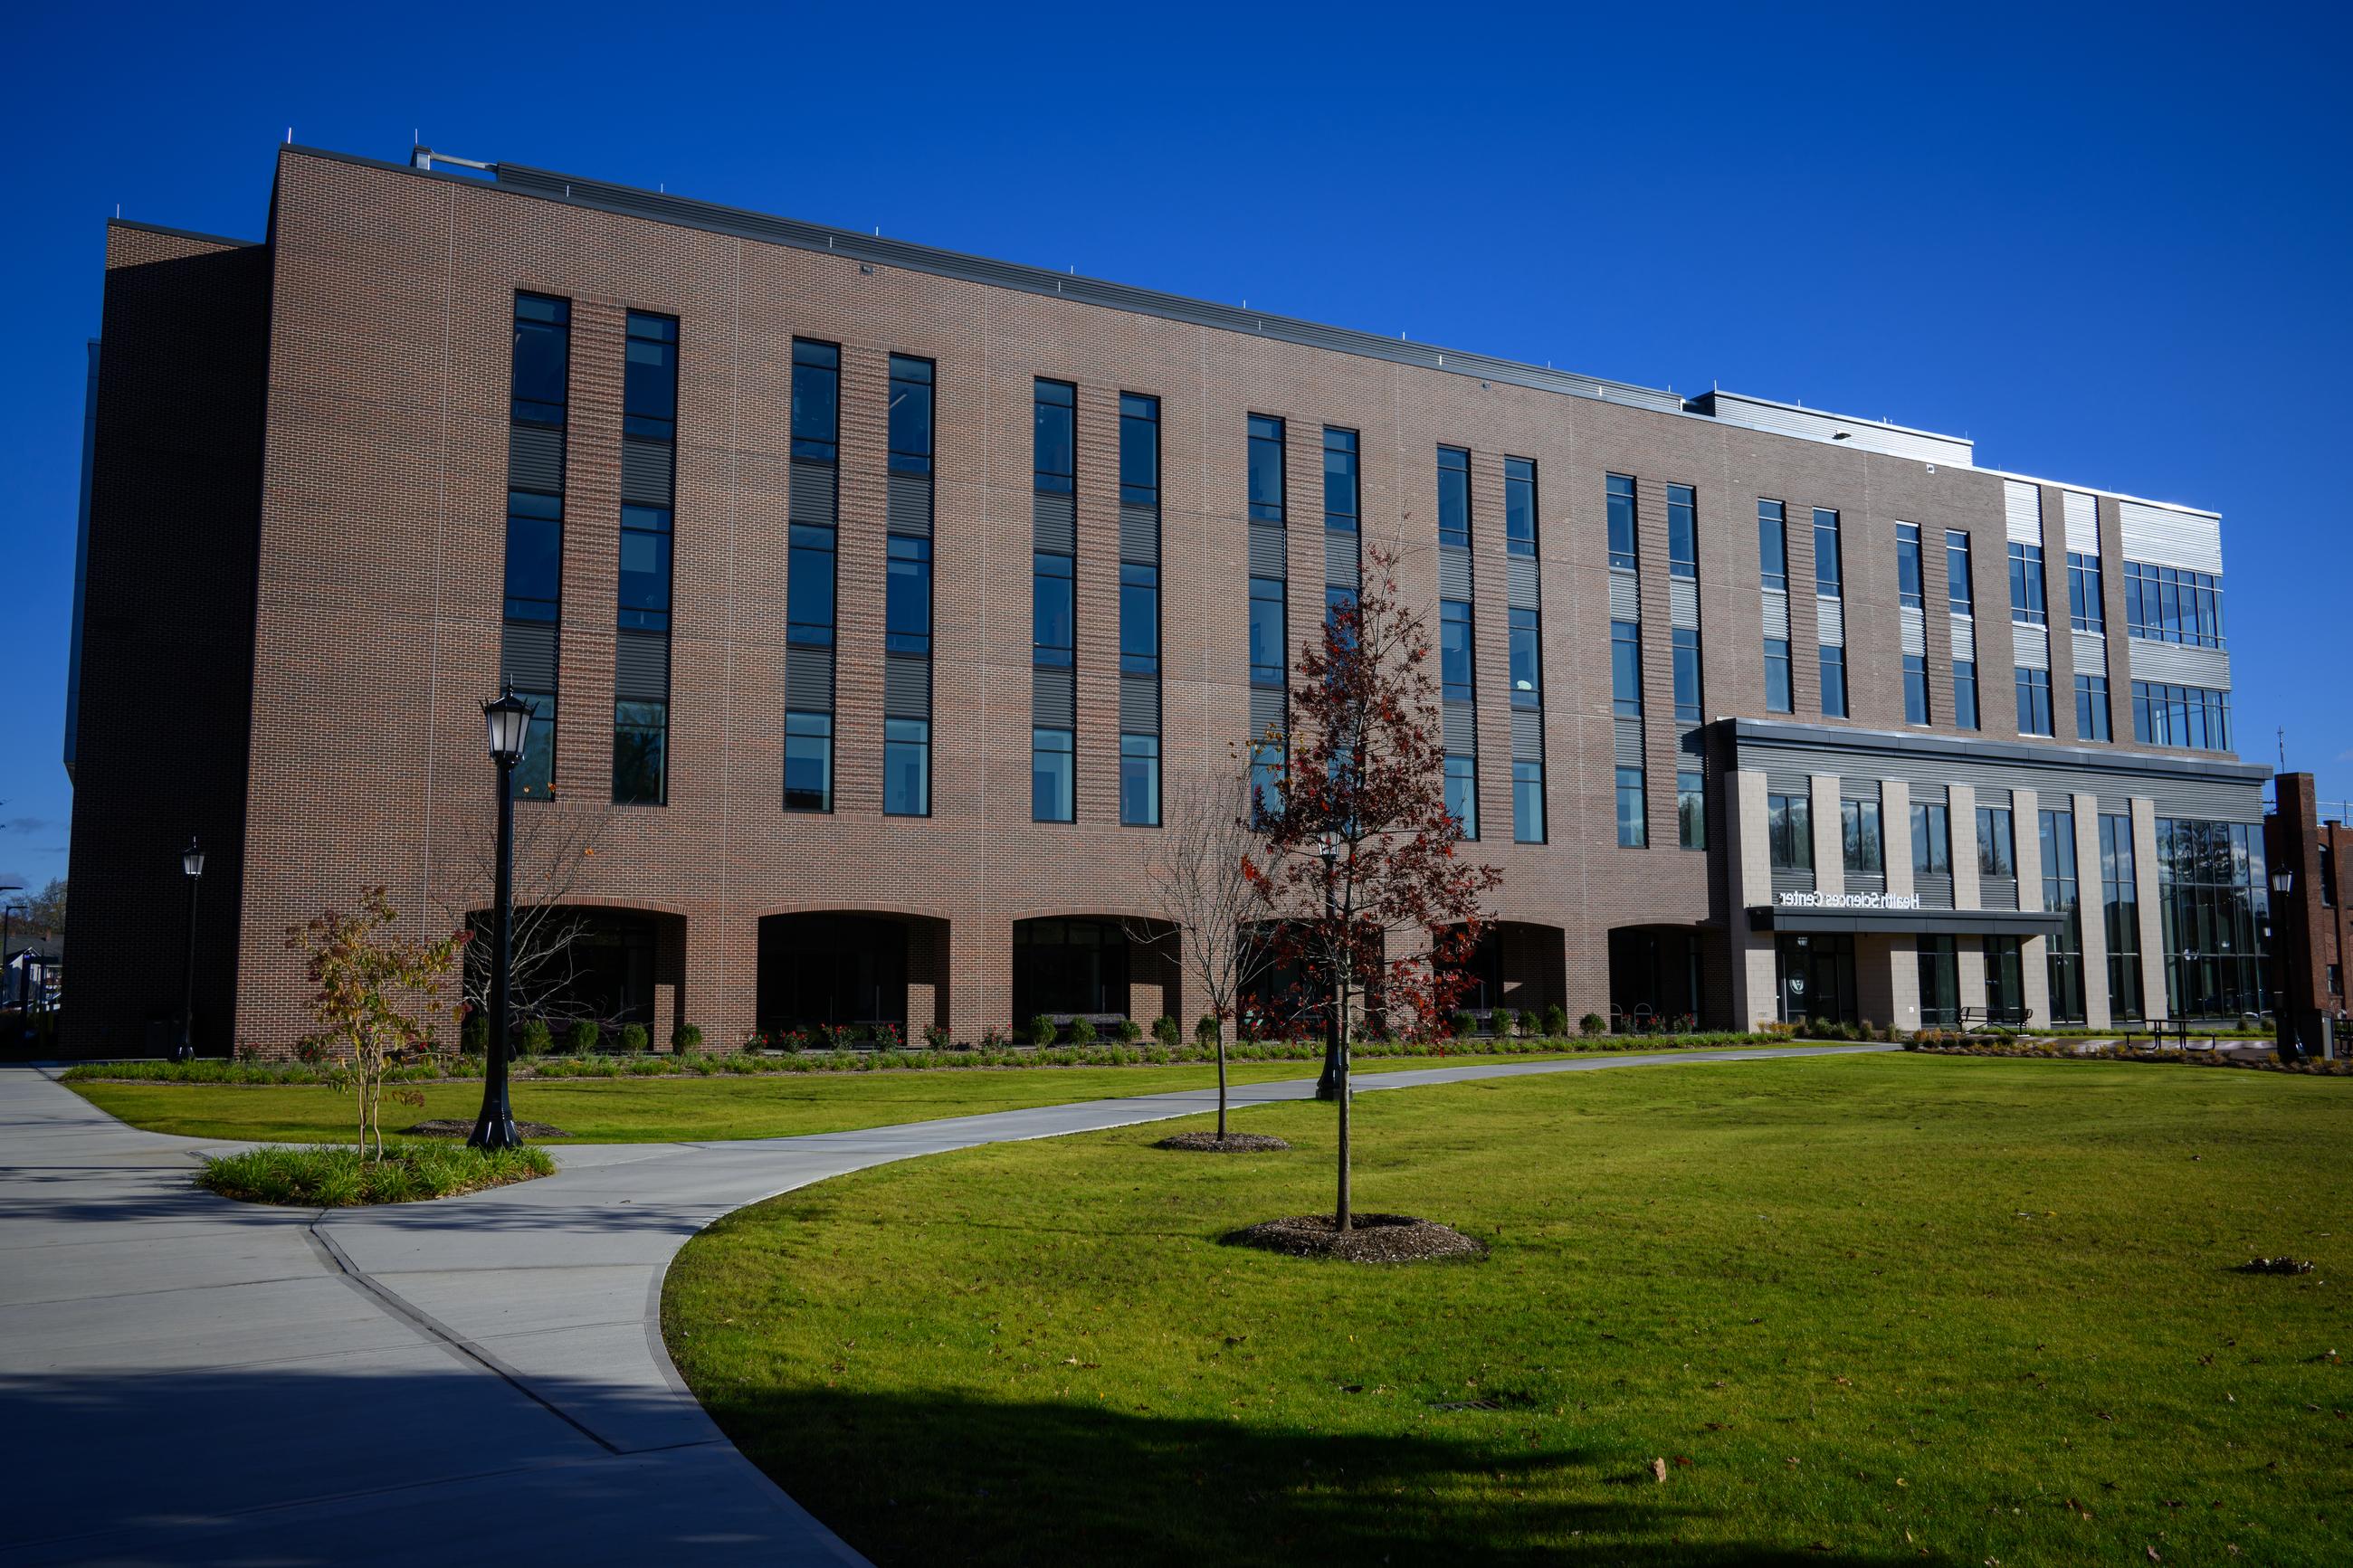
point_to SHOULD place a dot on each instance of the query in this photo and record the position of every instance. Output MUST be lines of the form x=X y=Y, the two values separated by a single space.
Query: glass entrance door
x=2005 y=990
x=1940 y=984
x=1816 y=978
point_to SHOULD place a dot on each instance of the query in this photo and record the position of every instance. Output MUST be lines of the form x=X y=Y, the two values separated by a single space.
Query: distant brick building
x=2307 y=838
x=877 y=600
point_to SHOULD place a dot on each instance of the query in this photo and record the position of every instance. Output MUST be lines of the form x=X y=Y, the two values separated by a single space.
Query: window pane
x=1462 y=793
x=1139 y=619
x=808 y=761
x=1633 y=826
x=1625 y=668
x=1519 y=506
x=1139 y=449
x=644 y=577
x=1139 y=780
x=1053 y=627
x=907 y=605
x=640 y=734
x=1266 y=469
x=910 y=415
x=535 y=775
x=1691 y=810
x=1050 y=776
x=1772 y=545
x=1682 y=532
x=906 y=767
x=543 y=351
x=816 y=401
x=1055 y=443
x=1454 y=651
x=1340 y=481
x=1777 y=698
x=1619 y=501
x=535 y=565
x=1453 y=496
x=1266 y=632
x=649 y=379
x=1833 y=682
x=1527 y=802
x=1687 y=691
x=1528 y=682
x=1828 y=571
x=809 y=586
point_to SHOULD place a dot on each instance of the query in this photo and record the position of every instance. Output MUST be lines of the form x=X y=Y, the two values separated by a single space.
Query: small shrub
x=1462 y=1023
x=1556 y=1020
x=1593 y=1024
x=887 y=1037
x=685 y=1040
x=1082 y=1032
x=1206 y=1031
x=634 y=1038
x=534 y=1039
x=1166 y=1030
x=581 y=1038
x=1130 y=1031
x=993 y=1038
x=474 y=1035
x=833 y=1036
x=1507 y=1022
x=937 y=1037
x=1041 y=1031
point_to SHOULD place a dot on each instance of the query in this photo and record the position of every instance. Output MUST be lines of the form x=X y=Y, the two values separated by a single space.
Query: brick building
x=2307 y=838
x=877 y=599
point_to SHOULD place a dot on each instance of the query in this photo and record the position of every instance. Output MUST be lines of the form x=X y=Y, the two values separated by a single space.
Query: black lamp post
x=192 y=864
x=2292 y=1036
x=507 y=720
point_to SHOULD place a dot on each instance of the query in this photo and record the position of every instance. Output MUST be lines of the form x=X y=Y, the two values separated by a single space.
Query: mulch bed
x=2275 y=1266
x=1370 y=1238
x=442 y=1127
x=1232 y=1143
x=2244 y=1060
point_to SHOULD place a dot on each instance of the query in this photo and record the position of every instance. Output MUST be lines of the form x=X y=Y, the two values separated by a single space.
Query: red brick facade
x=369 y=618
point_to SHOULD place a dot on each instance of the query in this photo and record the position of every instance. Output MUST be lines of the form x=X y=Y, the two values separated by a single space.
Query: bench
x=1996 y=1017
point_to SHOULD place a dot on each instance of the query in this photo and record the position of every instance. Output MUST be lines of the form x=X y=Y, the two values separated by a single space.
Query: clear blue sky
x=2114 y=247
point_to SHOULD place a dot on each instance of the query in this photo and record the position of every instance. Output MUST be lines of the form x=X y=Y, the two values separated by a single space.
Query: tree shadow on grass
x=937 y=1479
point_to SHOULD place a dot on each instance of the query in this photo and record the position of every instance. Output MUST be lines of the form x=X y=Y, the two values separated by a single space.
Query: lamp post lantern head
x=1328 y=847
x=2283 y=882
x=507 y=720
x=192 y=858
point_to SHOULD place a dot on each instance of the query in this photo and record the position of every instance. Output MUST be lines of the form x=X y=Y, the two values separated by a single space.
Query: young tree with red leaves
x=1356 y=873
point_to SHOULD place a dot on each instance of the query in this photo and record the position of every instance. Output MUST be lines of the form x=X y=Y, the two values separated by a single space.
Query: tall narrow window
x=538 y=403
x=2085 y=612
x=1528 y=685
x=1626 y=669
x=1620 y=499
x=1691 y=809
x=1340 y=499
x=1687 y=688
x=1139 y=619
x=1965 y=694
x=1829 y=576
x=808 y=761
x=1996 y=842
x=1860 y=850
x=1139 y=780
x=1054 y=446
x=1773 y=546
x=1960 y=594
x=1139 y=449
x=907 y=604
x=1932 y=840
x=649 y=377
x=1266 y=502
x=1053 y=632
x=1462 y=793
x=1454 y=674
x=1454 y=497
x=2027 y=606
x=1915 y=688
x=2033 y=701
x=1682 y=532
x=640 y=743
x=816 y=401
x=641 y=648
x=645 y=568
x=1267 y=633
x=1519 y=506
x=809 y=586
x=1052 y=777
x=1778 y=696
x=1907 y=565
x=1527 y=802
x=2092 y=708
x=2120 y=917
x=1833 y=681
x=542 y=359
x=1789 y=832
x=1633 y=815
x=2062 y=895
x=910 y=415
x=1266 y=775
x=906 y=767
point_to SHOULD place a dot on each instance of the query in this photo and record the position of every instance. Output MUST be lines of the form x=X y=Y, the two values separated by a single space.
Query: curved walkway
x=184 y=1379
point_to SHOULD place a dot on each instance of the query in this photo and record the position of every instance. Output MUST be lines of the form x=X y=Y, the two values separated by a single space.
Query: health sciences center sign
x=1811 y=900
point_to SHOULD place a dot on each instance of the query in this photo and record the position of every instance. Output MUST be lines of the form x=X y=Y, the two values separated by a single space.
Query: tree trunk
x=1340 y=1038
x=1221 y=1086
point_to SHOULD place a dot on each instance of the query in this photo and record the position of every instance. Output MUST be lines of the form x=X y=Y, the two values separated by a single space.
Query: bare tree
x=555 y=845
x=1202 y=900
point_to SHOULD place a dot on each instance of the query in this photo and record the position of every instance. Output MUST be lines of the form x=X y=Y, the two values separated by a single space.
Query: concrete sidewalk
x=189 y=1379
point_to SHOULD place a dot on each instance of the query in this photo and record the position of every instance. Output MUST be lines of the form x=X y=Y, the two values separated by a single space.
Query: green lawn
x=665 y=1109
x=1879 y=1309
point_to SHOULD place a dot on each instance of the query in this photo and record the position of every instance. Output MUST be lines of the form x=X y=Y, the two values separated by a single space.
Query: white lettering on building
x=1811 y=900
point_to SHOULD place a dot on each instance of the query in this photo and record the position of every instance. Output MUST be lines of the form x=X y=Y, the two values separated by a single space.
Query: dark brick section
x=167 y=657
x=2311 y=928
x=287 y=656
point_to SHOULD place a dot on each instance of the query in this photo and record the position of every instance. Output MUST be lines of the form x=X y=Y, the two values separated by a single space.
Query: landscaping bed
x=2060 y=1051
x=333 y=1177
x=1876 y=1310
